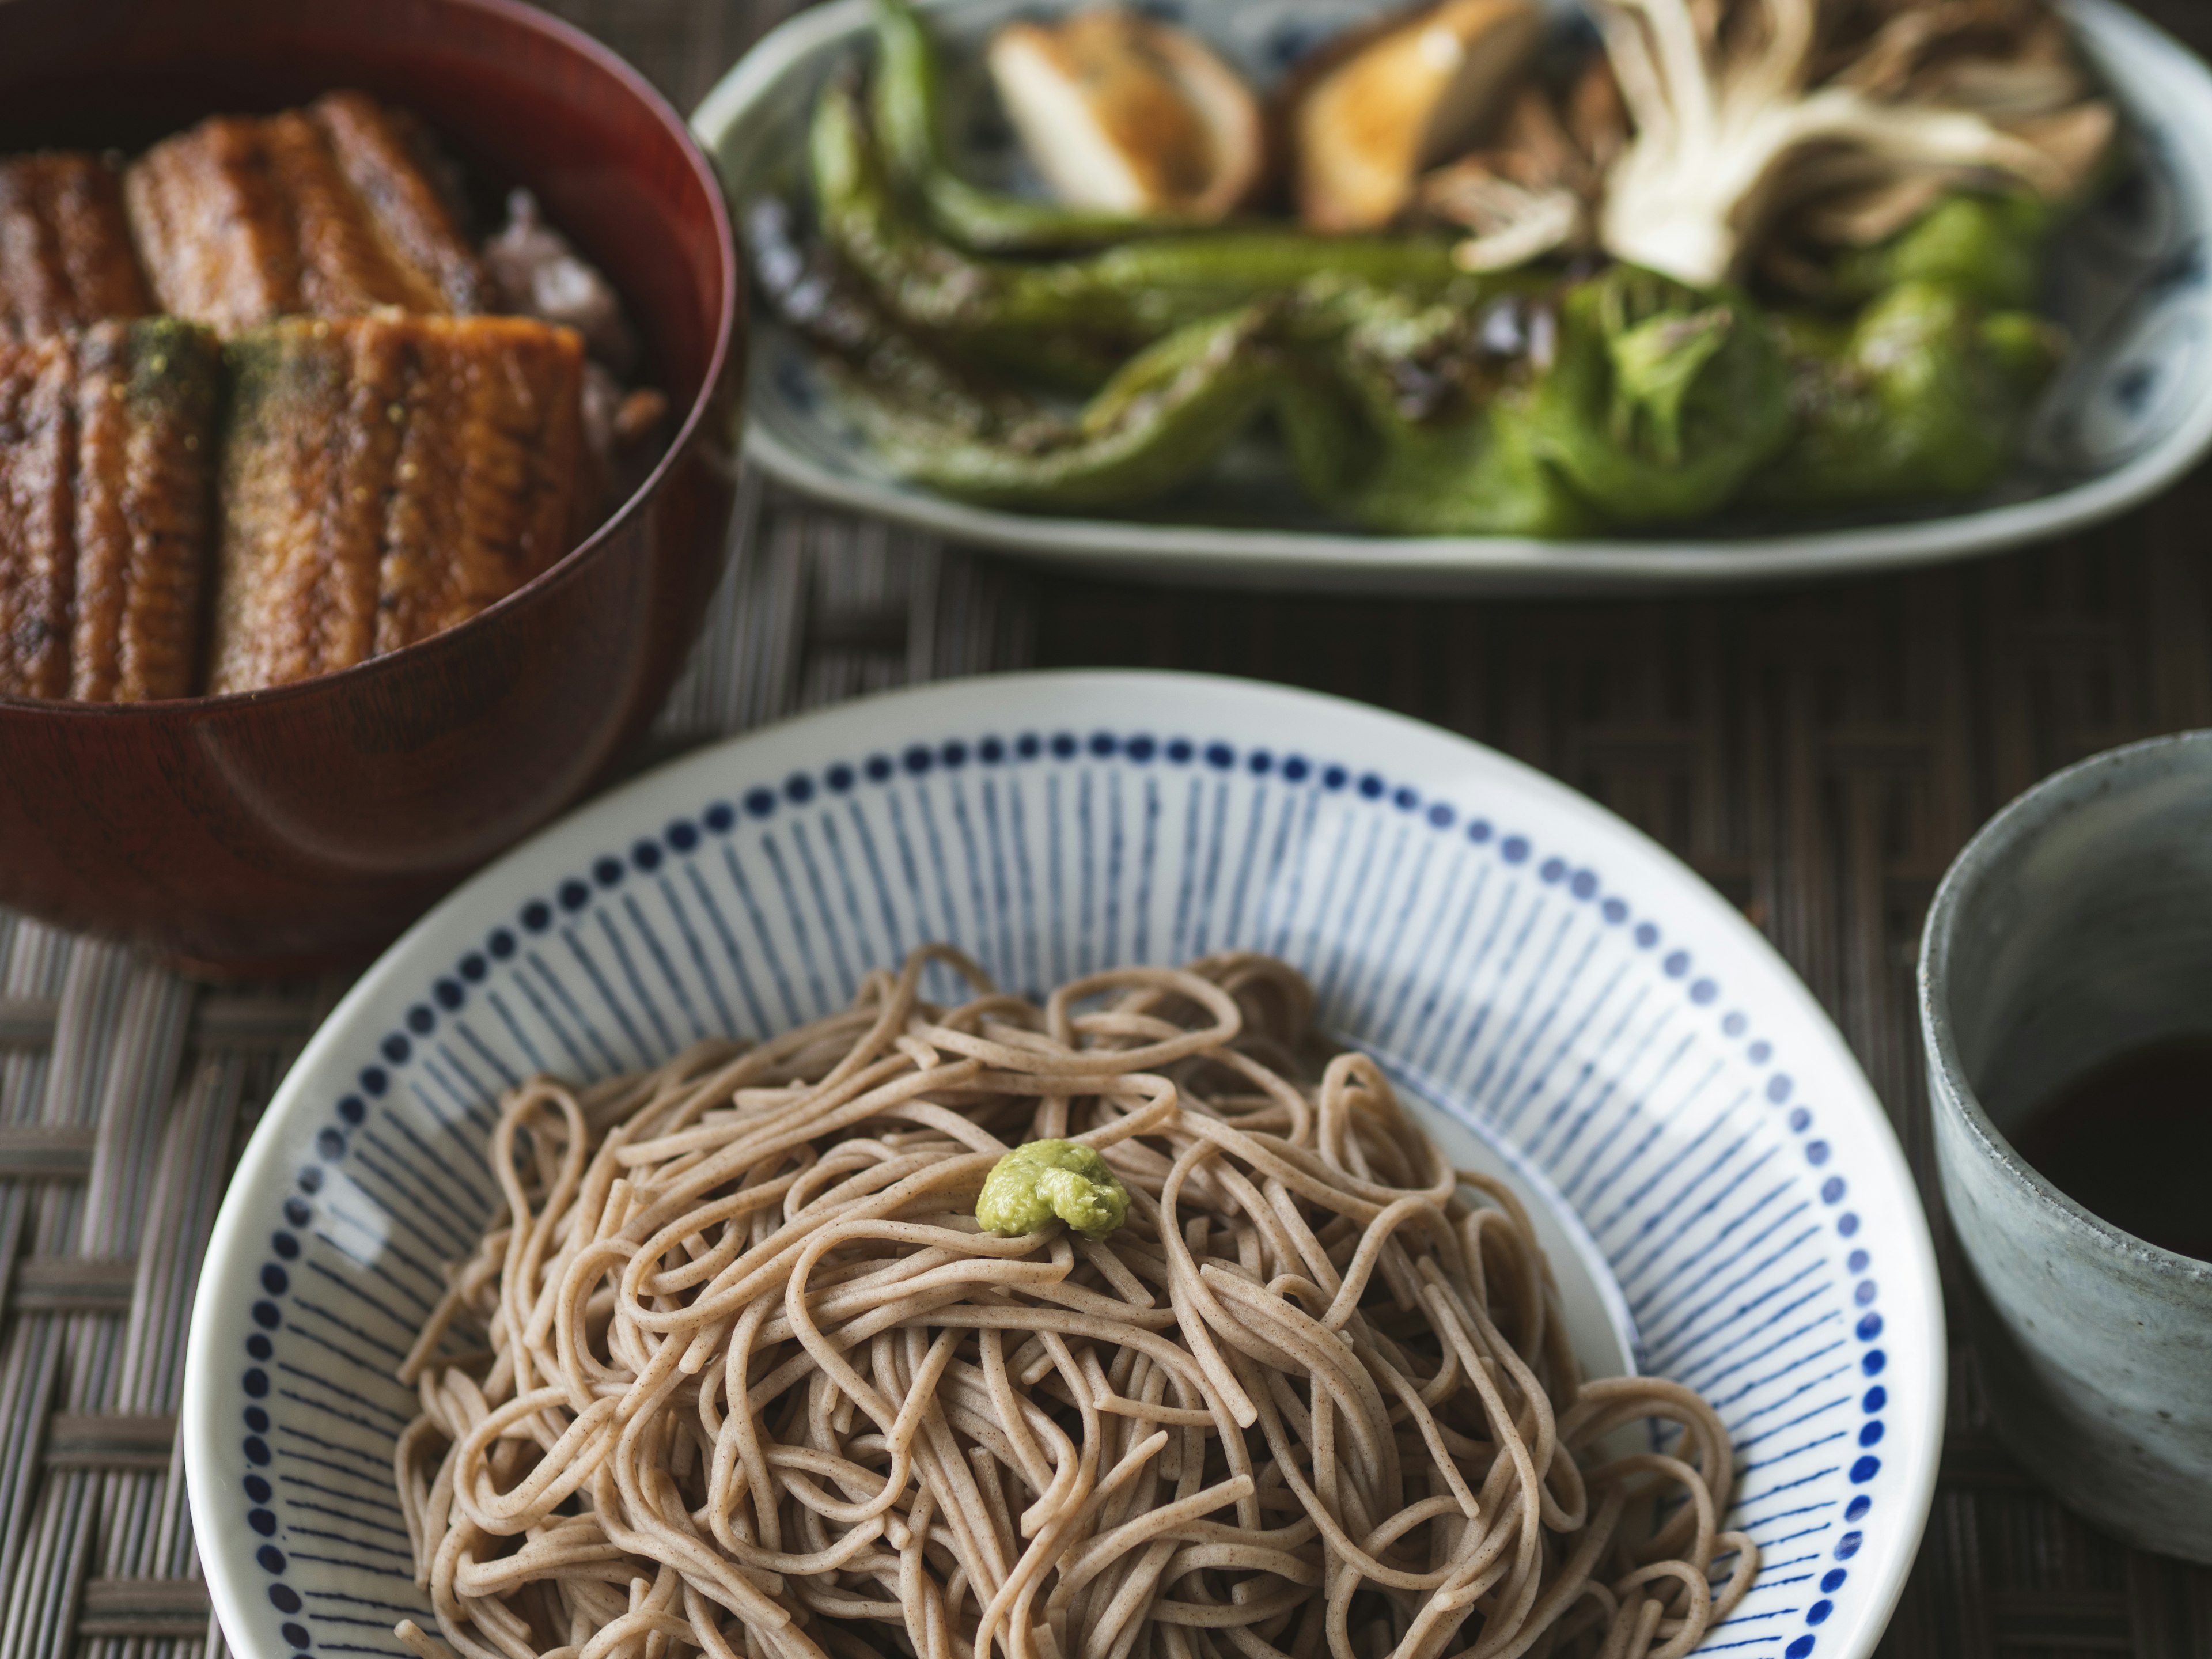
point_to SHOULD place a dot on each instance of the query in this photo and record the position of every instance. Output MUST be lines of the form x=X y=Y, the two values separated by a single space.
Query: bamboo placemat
x=1818 y=755
x=126 y=1094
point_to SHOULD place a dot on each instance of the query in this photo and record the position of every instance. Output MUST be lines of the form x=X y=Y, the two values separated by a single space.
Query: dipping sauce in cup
x=2130 y=1141
x=2066 y=1006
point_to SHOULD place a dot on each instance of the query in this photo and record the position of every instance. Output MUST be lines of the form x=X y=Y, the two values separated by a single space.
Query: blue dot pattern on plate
x=1582 y=1033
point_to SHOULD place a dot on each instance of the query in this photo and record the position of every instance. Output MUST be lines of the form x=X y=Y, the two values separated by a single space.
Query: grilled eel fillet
x=106 y=472
x=329 y=210
x=65 y=253
x=386 y=476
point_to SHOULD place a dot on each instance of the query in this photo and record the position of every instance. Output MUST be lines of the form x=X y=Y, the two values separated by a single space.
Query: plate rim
x=1497 y=564
x=230 y=1244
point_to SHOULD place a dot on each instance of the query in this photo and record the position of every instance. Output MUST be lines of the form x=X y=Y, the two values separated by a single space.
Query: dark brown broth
x=2130 y=1141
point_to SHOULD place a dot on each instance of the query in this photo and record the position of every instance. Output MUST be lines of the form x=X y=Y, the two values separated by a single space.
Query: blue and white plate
x=2131 y=413
x=1731 y=1205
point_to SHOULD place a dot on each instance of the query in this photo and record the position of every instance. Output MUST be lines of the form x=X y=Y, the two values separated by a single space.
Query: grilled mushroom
x=1533 y=191
x=1740 y=114
x=1391 y=103
x=1130 y=116
x=2011 y=62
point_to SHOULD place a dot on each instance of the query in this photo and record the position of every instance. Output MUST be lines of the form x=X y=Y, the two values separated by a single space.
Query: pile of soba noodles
x=743 y=1376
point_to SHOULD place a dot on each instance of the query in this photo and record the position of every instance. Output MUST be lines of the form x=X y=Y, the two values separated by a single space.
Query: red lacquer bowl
x=306 y=826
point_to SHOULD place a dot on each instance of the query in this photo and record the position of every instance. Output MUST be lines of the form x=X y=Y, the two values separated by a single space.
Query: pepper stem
x=1654 y=364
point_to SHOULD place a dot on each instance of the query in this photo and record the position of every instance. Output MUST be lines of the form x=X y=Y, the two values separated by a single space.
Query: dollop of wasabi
x=1041 y=1179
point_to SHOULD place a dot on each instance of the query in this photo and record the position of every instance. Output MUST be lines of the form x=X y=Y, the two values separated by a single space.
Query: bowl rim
x=1950 y=1090
x=1345 y=559
x=730 y=320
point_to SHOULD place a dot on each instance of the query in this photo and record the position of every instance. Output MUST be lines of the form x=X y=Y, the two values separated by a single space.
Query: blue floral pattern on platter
x=1507 y=968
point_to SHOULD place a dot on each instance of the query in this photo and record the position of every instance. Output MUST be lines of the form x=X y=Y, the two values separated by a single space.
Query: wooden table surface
x=1819 y=754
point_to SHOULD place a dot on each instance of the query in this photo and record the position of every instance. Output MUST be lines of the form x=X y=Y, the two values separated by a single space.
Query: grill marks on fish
x=386 y=477
x=38 y=566
x=328 y=211
x=397 y=174
x=107 y=466
x=65 y=252
x=390 y=462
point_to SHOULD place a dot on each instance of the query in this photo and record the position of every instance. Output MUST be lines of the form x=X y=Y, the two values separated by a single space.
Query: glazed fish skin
x=106 y=468
x=328 y=211
x=386 y=477
x=38 y=561
x=65 y=252
x=392 y=163
x=148 y=392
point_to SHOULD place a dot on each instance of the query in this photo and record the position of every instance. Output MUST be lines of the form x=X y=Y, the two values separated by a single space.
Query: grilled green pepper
x=817 y=299
x=1135 y=292
x=1418 y=425
x=1160 y=420
x=1921 y=396
x=907 y=97
x=1477 y=473
x=1988 y=248
x=1661 y=400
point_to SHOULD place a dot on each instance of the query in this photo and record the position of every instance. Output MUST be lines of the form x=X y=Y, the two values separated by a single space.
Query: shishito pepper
x=906 y=98
x=1988 y=248
x=1411 y=420
x=1920 y=397
x=1135 y=292
x=1162 y=417
x=1160 y=420
x=816 y=297
x=1476 y=473
x=1663 y=400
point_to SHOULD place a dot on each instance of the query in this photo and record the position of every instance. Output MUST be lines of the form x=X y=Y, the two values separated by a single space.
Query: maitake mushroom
x=1741 y=109
x=1533 y=189
x=1126 y=115
x=2011 y=61
x=1382 y=107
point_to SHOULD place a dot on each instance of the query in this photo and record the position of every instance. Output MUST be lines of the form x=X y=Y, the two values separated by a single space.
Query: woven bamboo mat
x=1819 y=755
x=126 y=1094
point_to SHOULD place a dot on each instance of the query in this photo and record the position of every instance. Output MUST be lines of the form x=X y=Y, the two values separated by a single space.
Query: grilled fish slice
x=386 y=477
x=38 y=551
x=330 y=211
x=65 y=253
x=107 y=469
x=398 y=175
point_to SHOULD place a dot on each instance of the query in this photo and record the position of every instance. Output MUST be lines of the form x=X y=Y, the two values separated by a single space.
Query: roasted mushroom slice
x=1126 y=115
x=1392 y=103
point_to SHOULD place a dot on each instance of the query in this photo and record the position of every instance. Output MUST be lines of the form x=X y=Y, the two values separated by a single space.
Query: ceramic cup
x=2077 y=925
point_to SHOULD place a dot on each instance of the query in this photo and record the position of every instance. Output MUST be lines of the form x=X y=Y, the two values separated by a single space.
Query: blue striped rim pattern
x=1511 y=979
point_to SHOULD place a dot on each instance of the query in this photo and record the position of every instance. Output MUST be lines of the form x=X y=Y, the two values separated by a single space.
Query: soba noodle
x=750 y=1379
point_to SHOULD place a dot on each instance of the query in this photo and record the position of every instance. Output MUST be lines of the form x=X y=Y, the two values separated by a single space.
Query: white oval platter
x=2129 y=415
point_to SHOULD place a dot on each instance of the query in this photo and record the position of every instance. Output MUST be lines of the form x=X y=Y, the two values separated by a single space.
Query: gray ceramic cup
x=2077 y=925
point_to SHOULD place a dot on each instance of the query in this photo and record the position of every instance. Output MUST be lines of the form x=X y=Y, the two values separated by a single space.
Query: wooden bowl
x=306 y=825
